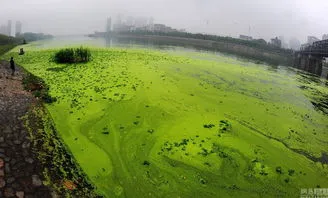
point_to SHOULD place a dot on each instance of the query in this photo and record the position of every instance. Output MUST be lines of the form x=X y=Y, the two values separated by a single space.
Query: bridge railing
x=319 y=48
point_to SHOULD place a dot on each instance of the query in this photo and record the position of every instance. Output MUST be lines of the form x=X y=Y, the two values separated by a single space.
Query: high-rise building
x=141 y=22
x=325 y=37
x=294 y=43
x=119 y=19
x=276 y=42
x=130 y=21
x=244 y=37
x=284 y=44
x=9 y=28
x=18 y=28
x=151 y=24
x=3 y=29
x=163 y=28
x=312 y=39
x=109 y=25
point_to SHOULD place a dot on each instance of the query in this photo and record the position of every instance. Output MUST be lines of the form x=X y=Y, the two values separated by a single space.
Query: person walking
x=12 y=66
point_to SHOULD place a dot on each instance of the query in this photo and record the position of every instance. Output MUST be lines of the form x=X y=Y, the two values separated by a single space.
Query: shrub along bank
x=7 y=43
x=72 y=55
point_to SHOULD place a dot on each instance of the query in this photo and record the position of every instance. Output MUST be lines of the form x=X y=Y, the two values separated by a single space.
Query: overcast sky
x=261 y=18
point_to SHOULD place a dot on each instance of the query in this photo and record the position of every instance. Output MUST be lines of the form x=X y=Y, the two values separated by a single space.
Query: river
x=175 y=121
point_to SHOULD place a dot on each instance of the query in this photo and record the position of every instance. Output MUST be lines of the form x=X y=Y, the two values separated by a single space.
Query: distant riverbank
x=259 y=53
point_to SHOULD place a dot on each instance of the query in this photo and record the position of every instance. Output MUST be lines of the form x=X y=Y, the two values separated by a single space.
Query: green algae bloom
x=161 y=124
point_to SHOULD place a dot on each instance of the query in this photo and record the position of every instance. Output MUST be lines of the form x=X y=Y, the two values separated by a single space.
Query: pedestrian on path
x=12 y=66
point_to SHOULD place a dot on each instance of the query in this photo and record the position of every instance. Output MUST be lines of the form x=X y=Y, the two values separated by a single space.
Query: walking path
x=20 y=171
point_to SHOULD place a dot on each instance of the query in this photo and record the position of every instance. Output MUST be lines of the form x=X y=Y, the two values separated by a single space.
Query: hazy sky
x=262 y=18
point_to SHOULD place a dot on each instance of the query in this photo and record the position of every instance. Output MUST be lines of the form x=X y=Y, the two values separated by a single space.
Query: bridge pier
x=309 y=63
x=310 y=57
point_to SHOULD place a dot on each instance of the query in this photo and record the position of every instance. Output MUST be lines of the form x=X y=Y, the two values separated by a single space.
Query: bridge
x=310 y=57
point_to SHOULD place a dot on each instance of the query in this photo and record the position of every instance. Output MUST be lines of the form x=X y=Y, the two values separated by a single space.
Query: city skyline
x=265 y=19
x=143 y=23
x=7 y=29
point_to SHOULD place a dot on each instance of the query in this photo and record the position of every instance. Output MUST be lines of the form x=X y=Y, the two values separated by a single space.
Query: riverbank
x=258 y=53
x=20 y=170
x=33 y=161
x=6 y=48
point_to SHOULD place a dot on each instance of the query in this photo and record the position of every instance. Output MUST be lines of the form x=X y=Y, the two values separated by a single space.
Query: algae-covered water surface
x=147 y=123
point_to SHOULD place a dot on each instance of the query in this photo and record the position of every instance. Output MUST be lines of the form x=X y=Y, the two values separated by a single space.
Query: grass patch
x=72 y=55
